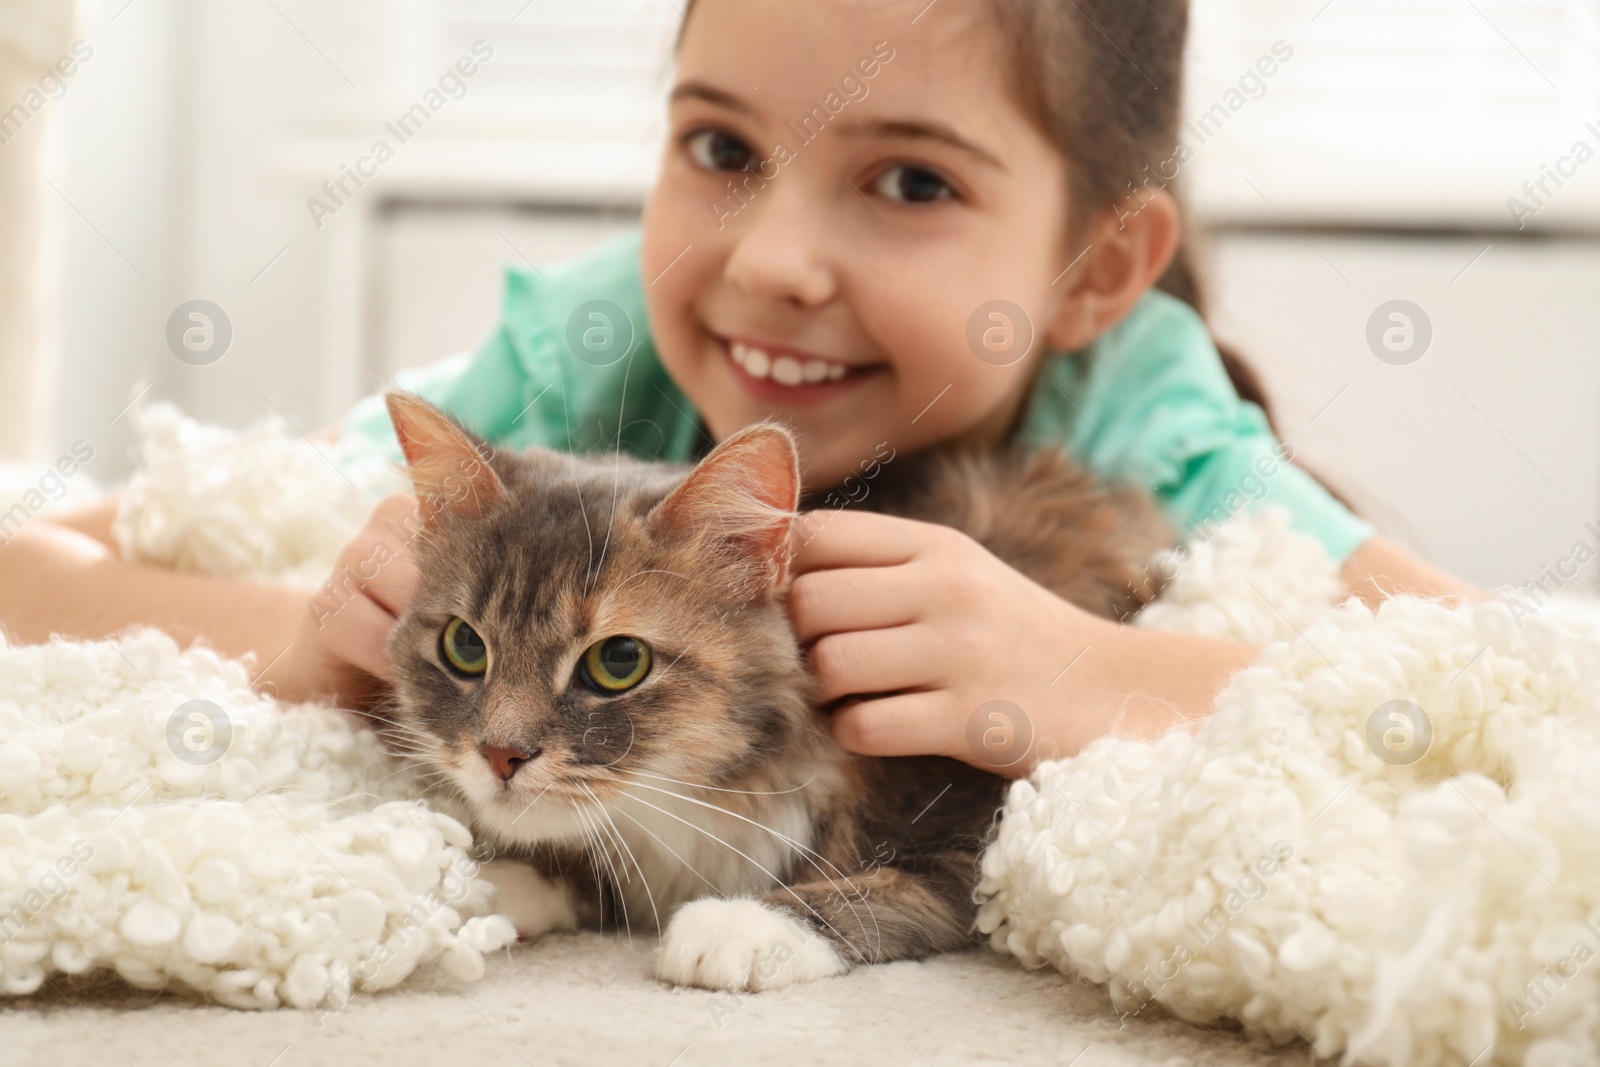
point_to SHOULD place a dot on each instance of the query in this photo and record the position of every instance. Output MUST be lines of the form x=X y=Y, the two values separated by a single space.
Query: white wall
x=200 y=131
x=36 y=62
x=1484 y=453
x=127 y=235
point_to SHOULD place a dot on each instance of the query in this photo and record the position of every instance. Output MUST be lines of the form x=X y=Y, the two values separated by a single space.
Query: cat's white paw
x=533 y=903
x=742 y=945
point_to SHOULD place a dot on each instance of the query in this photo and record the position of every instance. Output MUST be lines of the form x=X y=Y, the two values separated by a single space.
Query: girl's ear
x=448 y=466
x=1129 y=246
x=740 y=498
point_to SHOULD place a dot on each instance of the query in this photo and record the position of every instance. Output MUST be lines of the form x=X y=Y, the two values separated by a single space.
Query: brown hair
x=1115 y=119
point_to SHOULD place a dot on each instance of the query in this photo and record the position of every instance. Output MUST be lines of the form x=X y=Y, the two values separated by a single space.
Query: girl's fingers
x=359 y=634
x=908 y=724
x=380 y=555
x=395 y=584
x=856 y=598
x=395 y=522
x=875 y=661
x=827 y=538
x=396 y=507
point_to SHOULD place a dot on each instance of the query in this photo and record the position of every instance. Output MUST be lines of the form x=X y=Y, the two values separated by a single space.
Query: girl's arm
x=93 y=519
x=65 y=577
x=1186 y=673
x=61 y=580
x=1380 y=568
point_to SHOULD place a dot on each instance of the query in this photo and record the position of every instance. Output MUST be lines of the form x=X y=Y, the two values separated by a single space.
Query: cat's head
x=582 y=624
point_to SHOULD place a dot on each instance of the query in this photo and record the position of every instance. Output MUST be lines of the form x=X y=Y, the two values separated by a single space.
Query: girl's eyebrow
x=693 y=90
x=903 y=129
x=919 y=130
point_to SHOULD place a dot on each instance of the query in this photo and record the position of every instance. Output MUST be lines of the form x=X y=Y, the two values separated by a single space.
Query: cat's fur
x=709 y=801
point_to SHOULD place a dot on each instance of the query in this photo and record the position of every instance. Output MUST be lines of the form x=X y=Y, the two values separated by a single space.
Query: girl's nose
x=779 y=245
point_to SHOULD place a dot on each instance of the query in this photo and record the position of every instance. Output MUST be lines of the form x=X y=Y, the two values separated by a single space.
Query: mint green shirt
x=1147 y=403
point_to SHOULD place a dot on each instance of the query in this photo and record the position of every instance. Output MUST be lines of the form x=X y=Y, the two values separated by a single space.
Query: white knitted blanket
x=159 y=818
x=1384 y=840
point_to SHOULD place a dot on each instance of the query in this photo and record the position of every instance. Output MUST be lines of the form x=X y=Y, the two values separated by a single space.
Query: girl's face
x=846 y=190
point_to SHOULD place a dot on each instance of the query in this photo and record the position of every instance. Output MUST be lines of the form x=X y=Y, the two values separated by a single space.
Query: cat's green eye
x=615 y=664
x=464 y=650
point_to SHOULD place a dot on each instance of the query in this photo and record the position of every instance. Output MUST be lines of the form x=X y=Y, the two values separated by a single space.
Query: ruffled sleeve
x=570 y=366
x=470 y=385
x=1149 y=403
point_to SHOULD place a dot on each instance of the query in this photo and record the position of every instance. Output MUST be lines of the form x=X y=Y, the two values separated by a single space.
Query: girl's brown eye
x=912 y=185
x=615 y=664
x=465 y=652
x=718 y=150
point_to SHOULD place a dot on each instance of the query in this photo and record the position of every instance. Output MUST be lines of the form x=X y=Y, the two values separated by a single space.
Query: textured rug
x=584 y=999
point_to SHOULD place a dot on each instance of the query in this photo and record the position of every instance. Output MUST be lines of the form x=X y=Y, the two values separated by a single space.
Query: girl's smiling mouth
x=778 y=374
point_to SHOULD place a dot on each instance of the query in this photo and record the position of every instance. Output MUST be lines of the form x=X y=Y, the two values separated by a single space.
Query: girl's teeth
x=785 y=370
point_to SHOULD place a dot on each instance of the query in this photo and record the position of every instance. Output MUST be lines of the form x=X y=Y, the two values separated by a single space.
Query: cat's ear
x=742 y=496
x=448 y=466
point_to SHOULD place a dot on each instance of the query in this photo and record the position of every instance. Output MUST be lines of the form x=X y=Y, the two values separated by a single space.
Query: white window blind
x=559 y=66
x=1402 y=110
x=1388 y=111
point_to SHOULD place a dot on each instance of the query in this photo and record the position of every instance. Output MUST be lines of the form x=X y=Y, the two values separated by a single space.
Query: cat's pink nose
x=505 y=761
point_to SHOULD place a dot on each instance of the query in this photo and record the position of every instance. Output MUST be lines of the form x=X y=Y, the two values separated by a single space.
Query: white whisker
x=583 y=509
x=616 y=835
x=616 y=477
x=756 y=863
x=605 y=854
x=805 y=851
x=687 y=865
x=530 y=803
x=594 y=866
x=718 y=789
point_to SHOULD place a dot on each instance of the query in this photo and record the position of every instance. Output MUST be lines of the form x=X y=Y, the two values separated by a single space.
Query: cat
x=599 y=668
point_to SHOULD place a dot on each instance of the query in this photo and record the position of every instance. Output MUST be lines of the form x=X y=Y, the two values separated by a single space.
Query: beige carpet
x=585 y=999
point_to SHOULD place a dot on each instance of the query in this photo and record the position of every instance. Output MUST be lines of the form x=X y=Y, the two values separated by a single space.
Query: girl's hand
x=939 y=648
x=338 y=650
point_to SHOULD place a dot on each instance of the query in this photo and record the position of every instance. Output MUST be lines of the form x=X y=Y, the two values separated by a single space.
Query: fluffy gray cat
x=599 y=668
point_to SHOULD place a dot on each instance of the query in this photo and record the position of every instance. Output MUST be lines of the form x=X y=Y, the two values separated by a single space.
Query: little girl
x=890 y=225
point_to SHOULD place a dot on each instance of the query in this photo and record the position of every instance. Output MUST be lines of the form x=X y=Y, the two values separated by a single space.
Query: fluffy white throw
x=1386 y=840
x=159 y=818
